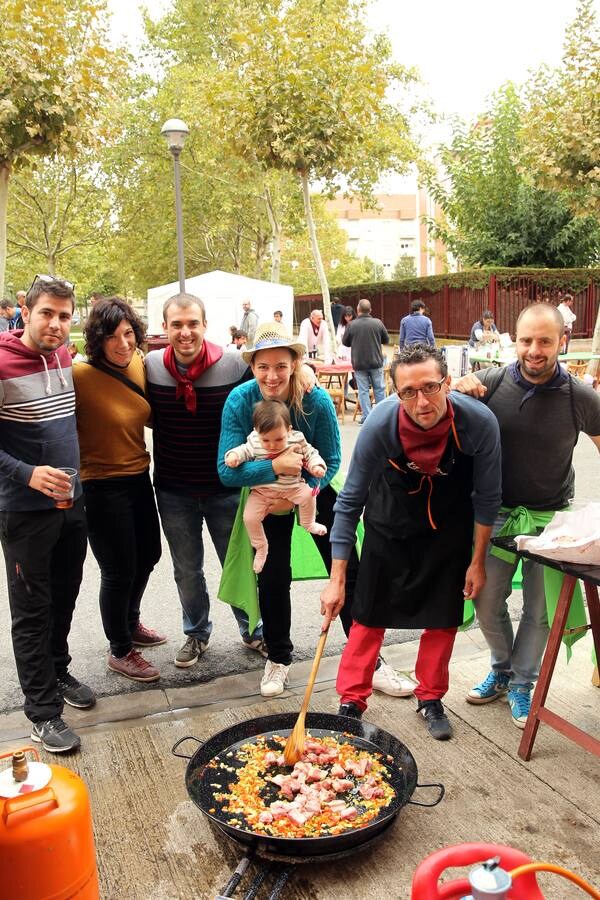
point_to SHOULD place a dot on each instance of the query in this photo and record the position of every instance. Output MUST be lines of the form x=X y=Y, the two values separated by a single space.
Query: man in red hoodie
x=44 y=546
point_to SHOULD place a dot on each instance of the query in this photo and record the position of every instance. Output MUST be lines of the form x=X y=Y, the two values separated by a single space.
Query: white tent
x=223 y=295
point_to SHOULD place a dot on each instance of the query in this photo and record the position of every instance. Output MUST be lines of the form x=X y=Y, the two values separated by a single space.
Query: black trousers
x=44 y=552
x=125 y=539
x=275 y=579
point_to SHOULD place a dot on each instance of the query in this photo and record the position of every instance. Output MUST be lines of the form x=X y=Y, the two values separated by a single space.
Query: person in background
x=426 y=472
x=238 y=340
x=314 y=334
x=416 y=328
x=95 y=297
x=188 y=384
x=11 y=314
x=348 y=316
x=484 y=330
x=21 y=299
x=365 y=336
x=124 y=533
x=74 y=353
x=337 y=310
x=565 y=308
x=44 y=546
x=278 y=316
x=249 y=322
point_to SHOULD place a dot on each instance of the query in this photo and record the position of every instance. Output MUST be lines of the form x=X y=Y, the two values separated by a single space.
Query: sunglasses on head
x=49 y=279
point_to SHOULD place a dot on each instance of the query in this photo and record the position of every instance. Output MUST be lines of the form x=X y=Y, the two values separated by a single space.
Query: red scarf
x=208 y=356
x=425 y=447
x=316 y=328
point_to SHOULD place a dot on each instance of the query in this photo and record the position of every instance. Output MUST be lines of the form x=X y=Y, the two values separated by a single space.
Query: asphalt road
x=161 y=610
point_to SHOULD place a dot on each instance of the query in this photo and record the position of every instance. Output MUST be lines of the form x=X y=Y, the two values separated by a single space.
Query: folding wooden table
x=590 y=576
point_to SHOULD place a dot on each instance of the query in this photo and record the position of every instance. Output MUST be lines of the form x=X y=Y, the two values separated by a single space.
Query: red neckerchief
x=316 y=328
x=208 y=356
x=425 y=447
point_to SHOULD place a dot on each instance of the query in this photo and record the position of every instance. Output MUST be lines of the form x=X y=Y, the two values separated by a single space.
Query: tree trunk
x=317 y=259
x=4 y=176
x=276 y=237
x=51 y=263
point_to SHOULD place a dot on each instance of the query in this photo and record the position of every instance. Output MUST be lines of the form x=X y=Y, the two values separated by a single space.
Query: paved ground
x=226 y=655
x=153 y=843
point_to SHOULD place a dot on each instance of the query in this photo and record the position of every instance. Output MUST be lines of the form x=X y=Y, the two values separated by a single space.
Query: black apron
x=411 y=574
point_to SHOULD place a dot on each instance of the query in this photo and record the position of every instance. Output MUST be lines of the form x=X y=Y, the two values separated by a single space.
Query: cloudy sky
x=464 y=49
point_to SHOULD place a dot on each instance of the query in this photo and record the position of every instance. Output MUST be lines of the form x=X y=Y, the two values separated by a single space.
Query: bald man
x=541 y=410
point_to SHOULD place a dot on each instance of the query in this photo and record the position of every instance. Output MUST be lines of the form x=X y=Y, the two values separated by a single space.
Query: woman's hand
x=288 y=463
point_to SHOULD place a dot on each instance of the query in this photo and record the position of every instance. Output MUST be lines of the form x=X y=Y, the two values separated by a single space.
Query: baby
x=272 y=435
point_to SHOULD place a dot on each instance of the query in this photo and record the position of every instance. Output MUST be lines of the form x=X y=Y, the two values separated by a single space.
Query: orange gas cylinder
x=46 y=840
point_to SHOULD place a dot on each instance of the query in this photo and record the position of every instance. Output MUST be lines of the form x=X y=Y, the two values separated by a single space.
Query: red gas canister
x=46 y=839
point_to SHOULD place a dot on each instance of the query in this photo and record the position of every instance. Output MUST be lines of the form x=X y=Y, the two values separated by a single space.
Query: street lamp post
x=175 y=131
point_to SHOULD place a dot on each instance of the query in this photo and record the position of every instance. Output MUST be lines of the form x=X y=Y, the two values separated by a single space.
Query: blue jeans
x=519 y=656
x=182 y=520
x=365 y=379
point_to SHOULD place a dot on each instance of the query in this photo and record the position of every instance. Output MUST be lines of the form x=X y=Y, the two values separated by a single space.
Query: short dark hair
x=237 y=334
x=7 y=304
x=103 y=321
x=538 y=309
x=184 y=301
x=56 y=288
x=419 y=353
x=487 y=314
x=278 y=313
x=416 y=305
x=348 y=311
x=269 y=414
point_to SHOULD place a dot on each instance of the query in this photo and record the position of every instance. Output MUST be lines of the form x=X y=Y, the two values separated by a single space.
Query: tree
x=57 y=76
x=494 y=214
x=58 y=205
x=406 y=267
x=304 y=89
x=561 y=127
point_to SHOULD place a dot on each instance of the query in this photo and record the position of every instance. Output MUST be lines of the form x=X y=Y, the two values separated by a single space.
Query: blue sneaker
x=520 y=704
x=492 y=687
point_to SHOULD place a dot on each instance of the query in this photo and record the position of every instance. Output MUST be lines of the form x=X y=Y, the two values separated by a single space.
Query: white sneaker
x=386 y=680
x=274 y=680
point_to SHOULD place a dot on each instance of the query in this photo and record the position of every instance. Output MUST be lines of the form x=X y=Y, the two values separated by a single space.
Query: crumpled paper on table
x=572 y=536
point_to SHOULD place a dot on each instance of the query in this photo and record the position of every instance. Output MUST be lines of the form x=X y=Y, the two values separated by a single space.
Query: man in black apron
x=426 y=470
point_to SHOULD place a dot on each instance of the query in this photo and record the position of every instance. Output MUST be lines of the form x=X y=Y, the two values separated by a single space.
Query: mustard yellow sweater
x=110 y=421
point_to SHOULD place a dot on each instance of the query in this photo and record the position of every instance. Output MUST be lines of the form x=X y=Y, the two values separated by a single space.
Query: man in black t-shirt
x=541 y=410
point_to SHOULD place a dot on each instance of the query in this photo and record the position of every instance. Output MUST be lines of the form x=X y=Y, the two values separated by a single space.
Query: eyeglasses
x=50 y=279
x=434 y=387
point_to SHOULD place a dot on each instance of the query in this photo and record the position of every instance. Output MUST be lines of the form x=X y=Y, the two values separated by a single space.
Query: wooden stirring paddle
x=296 y=742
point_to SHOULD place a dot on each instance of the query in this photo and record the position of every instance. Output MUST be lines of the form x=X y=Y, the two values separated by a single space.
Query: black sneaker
x=74 y=692
x=436 y=720
x=350 y=710
x=55 y=736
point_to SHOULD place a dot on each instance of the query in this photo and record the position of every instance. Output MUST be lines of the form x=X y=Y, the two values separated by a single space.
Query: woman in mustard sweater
x=123 y=527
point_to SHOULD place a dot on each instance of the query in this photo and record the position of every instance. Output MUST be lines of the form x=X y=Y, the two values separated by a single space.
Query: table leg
x=591 y=595
x=547 y=667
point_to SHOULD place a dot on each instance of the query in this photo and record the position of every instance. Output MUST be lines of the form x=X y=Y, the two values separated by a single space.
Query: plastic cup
x=65 y=500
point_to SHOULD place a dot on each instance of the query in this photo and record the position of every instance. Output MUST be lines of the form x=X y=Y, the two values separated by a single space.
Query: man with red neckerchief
x=188 y=383
x=426 y=469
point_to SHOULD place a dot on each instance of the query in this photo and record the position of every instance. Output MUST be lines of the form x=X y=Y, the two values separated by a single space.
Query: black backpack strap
x=120 y=377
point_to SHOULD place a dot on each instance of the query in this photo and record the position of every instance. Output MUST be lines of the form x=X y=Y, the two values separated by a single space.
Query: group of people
x=434 y=472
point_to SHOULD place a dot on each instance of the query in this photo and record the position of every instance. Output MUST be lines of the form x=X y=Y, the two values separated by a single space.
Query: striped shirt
x=185 y=444
x=37 y=420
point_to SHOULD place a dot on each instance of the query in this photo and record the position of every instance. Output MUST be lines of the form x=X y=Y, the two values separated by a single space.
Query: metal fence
x=454 y=309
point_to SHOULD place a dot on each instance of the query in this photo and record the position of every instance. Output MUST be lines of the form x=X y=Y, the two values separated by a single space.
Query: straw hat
x=270 y=335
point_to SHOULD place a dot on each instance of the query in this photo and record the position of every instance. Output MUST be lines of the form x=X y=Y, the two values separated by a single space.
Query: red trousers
x=355 y=674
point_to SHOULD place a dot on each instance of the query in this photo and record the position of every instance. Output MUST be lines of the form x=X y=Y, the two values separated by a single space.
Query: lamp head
x=175 y=131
